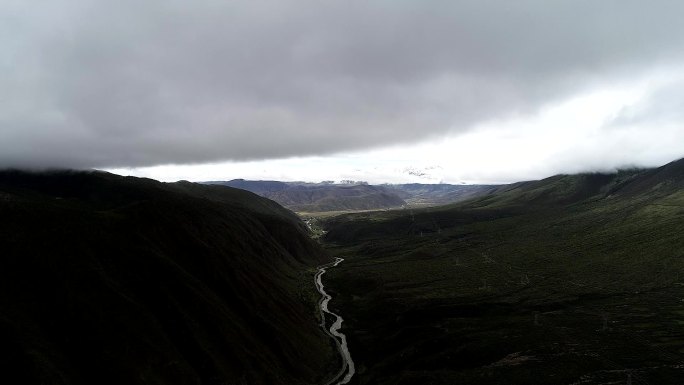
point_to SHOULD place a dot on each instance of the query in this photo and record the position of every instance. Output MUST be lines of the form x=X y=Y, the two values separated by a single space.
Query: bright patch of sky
x=584 y=133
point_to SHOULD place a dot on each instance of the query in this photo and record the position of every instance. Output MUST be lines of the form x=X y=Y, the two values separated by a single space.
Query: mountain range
x=354 y=196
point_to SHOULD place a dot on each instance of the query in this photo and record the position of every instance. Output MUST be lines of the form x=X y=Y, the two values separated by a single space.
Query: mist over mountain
x=114 y=85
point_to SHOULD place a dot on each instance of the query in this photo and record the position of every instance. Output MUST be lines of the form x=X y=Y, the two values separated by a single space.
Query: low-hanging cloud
x=129 y=83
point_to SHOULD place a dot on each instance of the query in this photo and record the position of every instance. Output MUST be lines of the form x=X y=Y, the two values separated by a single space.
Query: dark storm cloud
x=129 y=83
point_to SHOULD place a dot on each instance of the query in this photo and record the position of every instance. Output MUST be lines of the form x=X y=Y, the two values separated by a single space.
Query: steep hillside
x=575 y=279
x=112 y=280
x=311 y=197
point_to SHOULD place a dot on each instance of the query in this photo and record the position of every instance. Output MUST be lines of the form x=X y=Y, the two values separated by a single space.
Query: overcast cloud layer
x=131 y=83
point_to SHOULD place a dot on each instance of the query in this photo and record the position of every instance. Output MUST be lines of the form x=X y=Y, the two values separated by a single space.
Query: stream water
x=347 y=371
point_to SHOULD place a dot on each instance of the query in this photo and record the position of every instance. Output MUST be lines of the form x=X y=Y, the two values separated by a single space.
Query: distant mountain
x=319 y=197
x=313 y=197
x=113 y=280
x=258 y=187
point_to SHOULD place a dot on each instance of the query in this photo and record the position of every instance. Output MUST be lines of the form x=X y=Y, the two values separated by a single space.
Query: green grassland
x=570 y=280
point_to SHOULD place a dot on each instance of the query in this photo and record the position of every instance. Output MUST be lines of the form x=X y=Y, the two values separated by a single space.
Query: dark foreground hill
x=314 y=197
x=112 y=280
x=575 y=279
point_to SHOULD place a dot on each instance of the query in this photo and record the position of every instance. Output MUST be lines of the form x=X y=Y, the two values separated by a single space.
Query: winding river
x=347 y=371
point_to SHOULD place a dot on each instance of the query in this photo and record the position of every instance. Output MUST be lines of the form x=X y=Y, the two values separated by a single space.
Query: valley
x=573 y=279
x=341 y=192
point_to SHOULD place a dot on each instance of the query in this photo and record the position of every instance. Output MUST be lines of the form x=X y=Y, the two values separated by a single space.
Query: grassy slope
x=450 y=295
x=422 y=195
x=113 y=280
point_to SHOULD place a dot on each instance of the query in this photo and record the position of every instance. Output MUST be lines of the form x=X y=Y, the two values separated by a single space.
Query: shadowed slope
x=111 y=280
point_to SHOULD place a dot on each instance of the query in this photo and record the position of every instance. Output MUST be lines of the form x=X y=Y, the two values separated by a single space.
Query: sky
x=486 y=91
